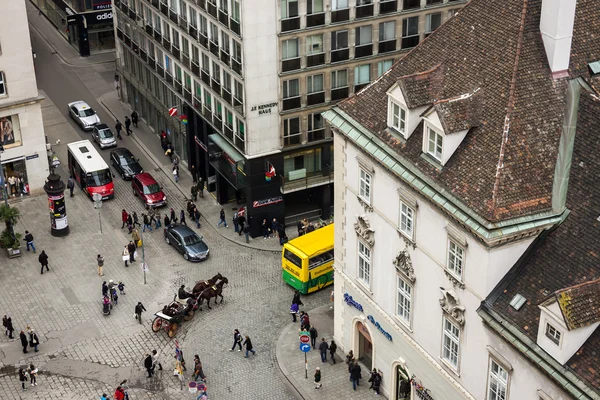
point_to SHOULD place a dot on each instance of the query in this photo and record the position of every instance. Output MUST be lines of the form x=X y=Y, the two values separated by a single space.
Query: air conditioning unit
x=140 y=23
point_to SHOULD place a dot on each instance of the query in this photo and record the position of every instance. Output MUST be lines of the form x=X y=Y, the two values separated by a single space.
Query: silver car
x=84 y=115
x=103 y=136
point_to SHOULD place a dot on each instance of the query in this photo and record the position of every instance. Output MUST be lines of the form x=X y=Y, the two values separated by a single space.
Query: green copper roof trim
x=566 y=378
x=381 y=151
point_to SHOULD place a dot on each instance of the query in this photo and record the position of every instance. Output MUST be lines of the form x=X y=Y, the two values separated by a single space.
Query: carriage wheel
x=156 y=324
x=189 y=316
x=173 y=330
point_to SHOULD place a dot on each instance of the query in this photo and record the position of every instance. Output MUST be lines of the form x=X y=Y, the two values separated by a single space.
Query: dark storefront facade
x=86 y=24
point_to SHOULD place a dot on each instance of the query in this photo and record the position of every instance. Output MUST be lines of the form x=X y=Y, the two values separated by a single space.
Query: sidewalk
x=149 y=142
x=334 y=377
x=61 y=46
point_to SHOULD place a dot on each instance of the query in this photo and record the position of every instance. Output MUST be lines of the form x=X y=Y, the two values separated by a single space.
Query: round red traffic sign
x=305 y=339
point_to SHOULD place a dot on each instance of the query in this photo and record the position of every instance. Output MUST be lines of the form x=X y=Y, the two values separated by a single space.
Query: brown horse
x=213 y=291
x=201 y=285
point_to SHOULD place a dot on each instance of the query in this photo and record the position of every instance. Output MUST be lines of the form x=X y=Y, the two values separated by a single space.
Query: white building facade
x=24 y=160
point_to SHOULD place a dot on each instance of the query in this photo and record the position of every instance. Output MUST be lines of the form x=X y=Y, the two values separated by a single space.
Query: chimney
x=556 y=26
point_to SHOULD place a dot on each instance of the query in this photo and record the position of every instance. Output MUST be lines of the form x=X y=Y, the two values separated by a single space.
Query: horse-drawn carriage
x=179 y=310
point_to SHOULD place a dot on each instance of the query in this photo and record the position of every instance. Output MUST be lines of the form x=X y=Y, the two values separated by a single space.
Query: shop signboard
x=267 y=201
x=101 y=5
x=98 y=18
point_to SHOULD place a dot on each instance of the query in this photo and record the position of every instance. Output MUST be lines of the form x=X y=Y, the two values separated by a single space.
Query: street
x=84 y=353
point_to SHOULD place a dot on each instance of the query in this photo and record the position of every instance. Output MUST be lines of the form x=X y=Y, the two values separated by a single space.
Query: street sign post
x=304 y=339
x=305 y=348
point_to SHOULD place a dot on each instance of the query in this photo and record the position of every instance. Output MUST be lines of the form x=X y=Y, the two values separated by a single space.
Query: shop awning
x=226 y=147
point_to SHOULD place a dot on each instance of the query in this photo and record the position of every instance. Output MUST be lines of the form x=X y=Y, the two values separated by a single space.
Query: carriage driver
x=183 y=294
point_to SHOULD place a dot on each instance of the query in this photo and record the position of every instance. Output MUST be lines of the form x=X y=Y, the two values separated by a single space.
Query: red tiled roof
x=504 y=167
x=580 y=304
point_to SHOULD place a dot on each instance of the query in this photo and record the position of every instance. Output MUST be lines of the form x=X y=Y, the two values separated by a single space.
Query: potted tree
x=10 y=240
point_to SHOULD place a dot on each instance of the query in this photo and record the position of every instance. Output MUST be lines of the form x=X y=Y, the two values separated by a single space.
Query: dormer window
x=553 y=334
x=397 y=118
x=435 y=143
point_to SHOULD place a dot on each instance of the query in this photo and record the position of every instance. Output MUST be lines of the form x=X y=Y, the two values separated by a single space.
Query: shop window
x=10 y=131
x=15 y=176
x=301 y=165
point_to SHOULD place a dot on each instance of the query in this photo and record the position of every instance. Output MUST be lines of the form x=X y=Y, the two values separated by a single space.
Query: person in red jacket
x=124 y=217
x=119 y=393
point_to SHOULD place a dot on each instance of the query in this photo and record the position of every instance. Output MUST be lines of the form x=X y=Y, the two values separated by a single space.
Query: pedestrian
x=121 y=287
x=104 y=397
x=169 y=151
x=124 y=218
x=9 y=327
x=100 y=260
x=173 y=217
x=274 y=226
x=182 y=218
x=355 y=374
x=313 y=335
x=104 y=289
x=167 y=221
x=181 y=360
x=71 y=185
x=194 y=172
x=29 y=240
x=5 y=324
x=118 y=128
x=375 y=380
x=310 y=228
x=43 y=259
x=146 y=223
x=247 y=233
x=197 y=217
x=139 y=308
x=332 y=350
x=119 y=393
x=157 y=219
x=136 y=238
x=201 y=187
x=22 y=378
x=237 y=340
x=294 y=311
x=198 y=371
x=318 y=383
x=128 y=125
x=323 y=347
x=235 y=222
x=148 y=364
x=222 y=219
x=131 y=250
x=248 y=345
x=155 y=361
x=136 y=221
x=129 y=223
x=296 y=298
x=176 y=172
x=190 y=208
x=23 y=341
x=125 y=255
x=134 y=118
x=194 y=191
x=34 y=341
x=241 y=222
x=32 y=370
x=266 y=231
x=281 y=233
x=300 y=228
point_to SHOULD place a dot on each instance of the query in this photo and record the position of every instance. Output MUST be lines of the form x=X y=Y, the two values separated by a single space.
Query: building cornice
x=562 y=376
x=22 y=103
x=490 y=233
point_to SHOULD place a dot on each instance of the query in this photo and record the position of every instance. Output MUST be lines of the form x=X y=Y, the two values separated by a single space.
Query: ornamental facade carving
x=363 y=230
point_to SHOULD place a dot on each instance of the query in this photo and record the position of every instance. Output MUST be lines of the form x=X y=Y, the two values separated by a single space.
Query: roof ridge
x=421 y=73
x=509 y=110
x=577 y=286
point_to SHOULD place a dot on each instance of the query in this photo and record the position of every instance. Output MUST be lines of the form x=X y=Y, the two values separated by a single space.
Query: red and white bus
x=89 y=170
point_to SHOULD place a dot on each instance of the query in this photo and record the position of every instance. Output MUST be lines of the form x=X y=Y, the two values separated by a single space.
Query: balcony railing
x=228 y=131
x=185 y=59
x=226 y=95
x=212 y=9
x=236 y=66
x=196 y=69
x=315 y=98
x=132 y=14
x=340 y=55
x=173 y=16
x=197 y=103
x=364 y=11
x=176 y=52
x=152 y=63
x=387 y=46
x=178 y=86
x=206 y=77
x=388 y=7
x=340 y=15
x=201 y=4
x=182 y=23
x=224 y=57
x=290 y=65
x=215 y=85
x=291 y=103
x=315 y=20
x=235 y=26
x=187 y=95
x=290 y=24
x=214 y=48
x=166 y=44
x=149 y=29
x=339 y=93
x=203 y=39
x=223 y=17
x=315 y=59
x=363 y=51
x=169 y=78
x=164 y=9
x=193 y=32
x=304 y=180
x=157 y=36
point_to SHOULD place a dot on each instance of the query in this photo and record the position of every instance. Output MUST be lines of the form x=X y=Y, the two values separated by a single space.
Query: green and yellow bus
x=307 y=261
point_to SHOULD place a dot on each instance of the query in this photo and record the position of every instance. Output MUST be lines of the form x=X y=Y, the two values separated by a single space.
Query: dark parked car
x=146 y=187
x=187 y=242
x=125 y=163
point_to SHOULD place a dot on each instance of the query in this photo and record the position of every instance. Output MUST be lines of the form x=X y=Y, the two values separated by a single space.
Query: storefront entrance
x=14 y=176
x=402 y=384
x=365 y=345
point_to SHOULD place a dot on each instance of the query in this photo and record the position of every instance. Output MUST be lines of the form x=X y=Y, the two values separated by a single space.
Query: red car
x=146 y=187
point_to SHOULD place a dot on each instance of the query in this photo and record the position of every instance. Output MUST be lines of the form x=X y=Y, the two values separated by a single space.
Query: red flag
x=172 y=111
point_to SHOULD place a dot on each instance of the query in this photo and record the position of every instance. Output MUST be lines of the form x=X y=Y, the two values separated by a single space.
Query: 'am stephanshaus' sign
x=352 y=303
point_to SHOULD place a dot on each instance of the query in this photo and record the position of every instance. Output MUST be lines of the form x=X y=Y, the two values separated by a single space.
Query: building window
x=203 y=26
x=183 y=10
x=226 y=81
x=339 y=4
x=225 y=42
x=223 y=6
x=409 y=4
x=383 y=66
x=362 y=74
x=216 y=72
x=432 y=22
x=205 y=63
x=289 y=49
x=240 y=135
x=407 y=222
x=410 y=32
x=431 y=2
x=435 y=142
x=2 y=84
x=387 y=31
x=364 y=263
x=193 y=17
x=497 y=382
x=397 y=118
x=364 y=35
x=291 y=131
x=214 y=34
x=456 y=257
x=237 y=51
x=239 y=91
x=291 y=88
x=314 y=83
x=10 y=131
x=553 y=334
x=314 y=44
x=314 y=7
x=339 y=40
x=289 y=9
x=235 y=10
x=404 y=301
x=451 y=343
x=339 y=79
x=364 y=186
x=316 y=127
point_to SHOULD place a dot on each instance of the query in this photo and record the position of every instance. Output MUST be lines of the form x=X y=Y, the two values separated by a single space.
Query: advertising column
x=55 y=189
